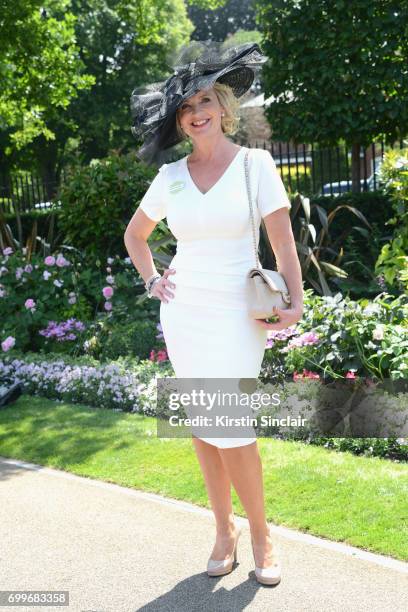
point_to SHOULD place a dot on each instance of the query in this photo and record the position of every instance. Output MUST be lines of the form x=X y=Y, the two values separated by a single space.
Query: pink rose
x=107 y=292
x=8 y=343
x=30 y=303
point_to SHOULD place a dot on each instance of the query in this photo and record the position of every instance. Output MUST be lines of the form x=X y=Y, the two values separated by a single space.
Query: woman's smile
x=200 y=124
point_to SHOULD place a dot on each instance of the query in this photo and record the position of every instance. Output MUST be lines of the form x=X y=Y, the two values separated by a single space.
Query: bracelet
x=150 y=280
x=151 y=283
x=149 y=294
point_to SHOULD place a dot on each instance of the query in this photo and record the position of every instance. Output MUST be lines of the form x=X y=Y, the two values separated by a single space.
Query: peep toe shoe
x=220 y=567
x=270 y=574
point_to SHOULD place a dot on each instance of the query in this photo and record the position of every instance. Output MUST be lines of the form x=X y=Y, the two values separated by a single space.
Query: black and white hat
x=198 y=66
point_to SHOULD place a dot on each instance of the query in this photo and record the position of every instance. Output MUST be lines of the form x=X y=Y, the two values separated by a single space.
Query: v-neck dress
x=206 y=328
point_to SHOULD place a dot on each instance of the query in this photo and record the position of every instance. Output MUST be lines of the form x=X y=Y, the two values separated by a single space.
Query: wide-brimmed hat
x=198 y=66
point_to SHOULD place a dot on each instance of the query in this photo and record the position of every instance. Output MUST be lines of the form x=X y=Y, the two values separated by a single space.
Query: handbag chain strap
x=250 y=208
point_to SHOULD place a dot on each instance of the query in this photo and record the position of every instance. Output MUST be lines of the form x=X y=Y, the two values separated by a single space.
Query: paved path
x=120 y=550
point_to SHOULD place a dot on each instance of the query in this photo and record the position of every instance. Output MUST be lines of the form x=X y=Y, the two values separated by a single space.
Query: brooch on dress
x=176 y=186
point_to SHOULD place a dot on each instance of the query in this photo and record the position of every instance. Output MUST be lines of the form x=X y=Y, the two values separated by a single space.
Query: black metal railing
x=305 y=168
x=26 y=191
x=313 y=170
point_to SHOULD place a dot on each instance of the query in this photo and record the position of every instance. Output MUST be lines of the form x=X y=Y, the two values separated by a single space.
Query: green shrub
x=114 y=340
x=359 y=245
x=37 y=290
x=392 y=262
x=98 y=201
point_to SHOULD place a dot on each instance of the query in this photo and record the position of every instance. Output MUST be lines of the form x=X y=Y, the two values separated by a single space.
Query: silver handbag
x=264 y=288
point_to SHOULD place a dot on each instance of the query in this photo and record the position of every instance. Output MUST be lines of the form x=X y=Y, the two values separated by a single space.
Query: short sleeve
x=271 y=190
x=154 y=202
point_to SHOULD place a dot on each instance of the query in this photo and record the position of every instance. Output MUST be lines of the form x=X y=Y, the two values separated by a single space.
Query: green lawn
x=358 y=500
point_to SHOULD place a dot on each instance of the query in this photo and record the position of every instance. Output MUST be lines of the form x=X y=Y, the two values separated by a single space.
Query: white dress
x=206 y=328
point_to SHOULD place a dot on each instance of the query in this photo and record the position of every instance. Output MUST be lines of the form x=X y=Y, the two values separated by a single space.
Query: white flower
x=378 y=332
x=371 y=309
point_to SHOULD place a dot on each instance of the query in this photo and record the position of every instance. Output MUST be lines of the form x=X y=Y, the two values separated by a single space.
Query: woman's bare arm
x=280 y=234
x=135 y=237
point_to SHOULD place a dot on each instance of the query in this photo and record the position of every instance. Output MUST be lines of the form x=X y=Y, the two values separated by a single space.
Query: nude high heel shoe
x=224 y=566
x=270 y=574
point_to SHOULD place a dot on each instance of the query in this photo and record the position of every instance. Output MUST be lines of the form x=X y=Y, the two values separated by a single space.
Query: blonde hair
x=228 y=100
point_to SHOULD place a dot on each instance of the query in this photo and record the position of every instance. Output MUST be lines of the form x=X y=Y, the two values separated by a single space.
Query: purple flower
x=381 y=281
x=279 y=335
x=160 y=330
x=46 y=275
x=309 y=338
x=108 y=305
x=30 y=303
x=8 y=343
x=305 y=339
x=107 y=292
x=62 y=331
x=110 y=279
x=49 y=261
x=7 y=251
x=28 y=268
x=61 y=261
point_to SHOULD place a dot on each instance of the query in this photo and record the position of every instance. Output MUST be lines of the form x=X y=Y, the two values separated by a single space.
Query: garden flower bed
x=77 y=331
x=131 y=386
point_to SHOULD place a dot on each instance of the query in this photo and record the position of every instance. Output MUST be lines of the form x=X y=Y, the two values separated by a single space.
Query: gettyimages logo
x=242 y=408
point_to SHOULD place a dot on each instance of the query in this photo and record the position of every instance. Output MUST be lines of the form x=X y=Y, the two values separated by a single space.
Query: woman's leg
x=244 y=467
x=218 y=486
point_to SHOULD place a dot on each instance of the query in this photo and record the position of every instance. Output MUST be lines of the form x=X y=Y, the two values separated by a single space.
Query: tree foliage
x=337 y=69
x=68 y=67
x=39 y=65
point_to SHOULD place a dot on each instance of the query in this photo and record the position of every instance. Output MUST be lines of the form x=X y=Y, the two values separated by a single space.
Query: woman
x=203 y=310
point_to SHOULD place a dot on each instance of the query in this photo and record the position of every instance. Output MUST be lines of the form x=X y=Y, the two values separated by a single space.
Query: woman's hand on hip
x=161 y=287
x=286 y=318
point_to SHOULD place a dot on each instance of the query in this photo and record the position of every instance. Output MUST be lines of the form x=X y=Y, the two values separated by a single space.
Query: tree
x=39 y=65
x=337 y=69
x=120 y=46
x=225 y=20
